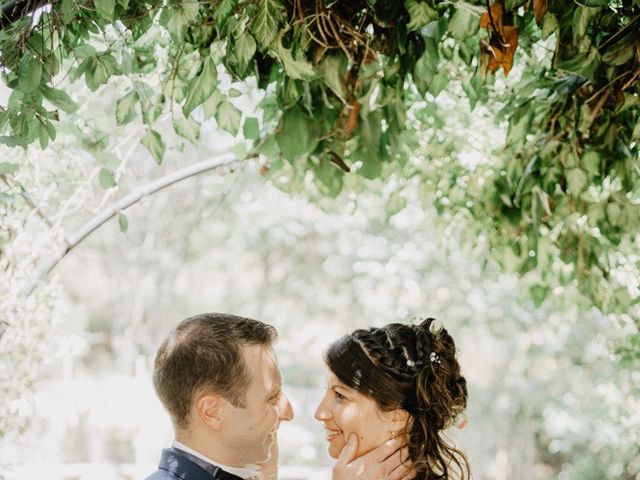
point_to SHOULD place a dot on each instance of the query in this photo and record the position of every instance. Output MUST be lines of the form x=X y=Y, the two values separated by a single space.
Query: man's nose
x=285 y=410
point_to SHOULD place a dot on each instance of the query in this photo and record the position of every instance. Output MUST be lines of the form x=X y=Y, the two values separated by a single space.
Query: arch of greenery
x=350 y=86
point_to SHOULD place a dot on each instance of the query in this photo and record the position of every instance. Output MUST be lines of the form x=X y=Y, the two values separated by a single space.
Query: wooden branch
x=103 y=216
x=14 y=10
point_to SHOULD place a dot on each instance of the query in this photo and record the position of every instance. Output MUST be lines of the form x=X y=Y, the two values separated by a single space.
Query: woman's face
x=343 y=411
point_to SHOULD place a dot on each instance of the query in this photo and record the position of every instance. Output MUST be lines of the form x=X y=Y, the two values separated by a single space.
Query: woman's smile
x=332 y=433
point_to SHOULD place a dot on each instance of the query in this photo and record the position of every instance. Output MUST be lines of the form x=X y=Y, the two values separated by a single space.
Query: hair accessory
x=411 y=363
x=434 y=357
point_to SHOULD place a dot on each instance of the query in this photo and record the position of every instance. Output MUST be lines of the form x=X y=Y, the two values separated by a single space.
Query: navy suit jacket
x=176 y=465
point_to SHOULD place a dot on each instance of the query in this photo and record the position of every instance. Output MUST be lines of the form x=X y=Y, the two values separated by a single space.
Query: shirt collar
x=242 y=472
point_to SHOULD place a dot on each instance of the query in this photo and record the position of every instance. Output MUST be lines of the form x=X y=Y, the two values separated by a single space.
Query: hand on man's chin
x=269 y=467
x=388 y=461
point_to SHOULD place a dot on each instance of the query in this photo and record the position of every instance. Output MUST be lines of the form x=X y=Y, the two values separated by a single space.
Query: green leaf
x=99 y=70
x=105 y=8
x=438 y=83
x=251 y=128
x=177 y=17
x=228 y=118
x=187 y=128
x=244 y=48
x=125 y=108
x=295 y=136
x=59 y=98
x=511 y=5
x=395 y=203
x=210 y=107
x=223 y=12
x=123 y=222
x=582 y=17
x=329 y=176
x=577 y=181
x=426 y=67
x=66 y=10
x=265 y=24
x=43 y=136
x=151 y=108
x=519 y=129
x=201 y=87
x=8 y=168
x=421 y=13
x=636 y=131
x=371 y=164
x=154 y=144
x=549 y=25
x=585 y=64
x=463 y=24
x=85 y=51
x=591 y=163
x=105 y=177
x=51 y=131
x=539 y=293
x=333 y=69
x=594 y=3
x=297 y=68
x=30 y=72
x=614 y=213
x=4 y=118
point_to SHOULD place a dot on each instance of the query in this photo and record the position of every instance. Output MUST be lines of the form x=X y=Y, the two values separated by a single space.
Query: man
x=218 y=377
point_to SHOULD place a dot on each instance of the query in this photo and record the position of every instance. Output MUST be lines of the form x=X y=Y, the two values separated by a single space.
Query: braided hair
x=412 y=367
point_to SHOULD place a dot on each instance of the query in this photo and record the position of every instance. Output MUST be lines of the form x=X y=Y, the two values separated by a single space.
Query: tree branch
x=124 y=203
x=14 y=10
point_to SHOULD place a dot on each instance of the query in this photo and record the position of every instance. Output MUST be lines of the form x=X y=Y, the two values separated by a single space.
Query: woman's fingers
x=400 y=465
x=349 y=450
x=388 y=449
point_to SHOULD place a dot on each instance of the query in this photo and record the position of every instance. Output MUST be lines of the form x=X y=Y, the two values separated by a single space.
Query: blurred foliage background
x=321 y=185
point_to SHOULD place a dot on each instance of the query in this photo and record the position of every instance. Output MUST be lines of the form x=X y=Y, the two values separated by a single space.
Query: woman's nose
x=322 y=413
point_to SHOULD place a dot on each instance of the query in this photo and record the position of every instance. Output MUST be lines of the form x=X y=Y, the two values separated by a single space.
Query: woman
x=397 y=380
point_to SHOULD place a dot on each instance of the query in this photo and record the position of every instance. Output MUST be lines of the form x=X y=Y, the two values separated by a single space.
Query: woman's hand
x=389 y=461
x=269 y=469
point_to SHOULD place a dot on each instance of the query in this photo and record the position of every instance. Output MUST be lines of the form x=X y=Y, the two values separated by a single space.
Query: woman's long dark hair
x=412 y=367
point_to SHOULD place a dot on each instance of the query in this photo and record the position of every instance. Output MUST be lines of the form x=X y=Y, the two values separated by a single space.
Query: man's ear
x=209 y=409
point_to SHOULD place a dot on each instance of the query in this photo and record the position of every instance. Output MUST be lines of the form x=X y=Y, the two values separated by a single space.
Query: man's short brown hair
x=204 y=353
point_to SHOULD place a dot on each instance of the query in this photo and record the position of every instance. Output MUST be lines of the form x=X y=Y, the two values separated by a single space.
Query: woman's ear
x=398 y=418
x=209 y=410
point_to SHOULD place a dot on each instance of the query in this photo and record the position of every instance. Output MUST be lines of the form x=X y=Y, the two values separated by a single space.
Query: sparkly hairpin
x=434 y=357
x=414 y=363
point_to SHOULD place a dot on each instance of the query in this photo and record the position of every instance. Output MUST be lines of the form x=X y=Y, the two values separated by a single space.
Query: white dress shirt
x=250 y=471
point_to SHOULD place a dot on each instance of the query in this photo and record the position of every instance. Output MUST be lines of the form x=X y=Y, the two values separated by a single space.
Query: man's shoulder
x=162 y=475
x=176 y=465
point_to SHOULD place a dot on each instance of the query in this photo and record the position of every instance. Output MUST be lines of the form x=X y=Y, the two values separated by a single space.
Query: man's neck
x=242 y=472
x=206 y=449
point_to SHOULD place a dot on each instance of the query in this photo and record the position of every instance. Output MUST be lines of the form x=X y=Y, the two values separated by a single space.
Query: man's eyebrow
x=276 y=391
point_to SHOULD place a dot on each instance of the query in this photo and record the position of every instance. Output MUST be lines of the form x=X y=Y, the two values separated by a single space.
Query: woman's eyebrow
x=339 y=385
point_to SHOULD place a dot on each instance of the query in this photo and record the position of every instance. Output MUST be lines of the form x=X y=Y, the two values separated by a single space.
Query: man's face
x=250 y=431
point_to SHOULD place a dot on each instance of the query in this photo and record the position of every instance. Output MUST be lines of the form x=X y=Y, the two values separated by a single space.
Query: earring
x=393 y=434
x=461 y=421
